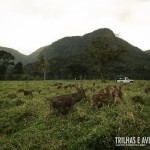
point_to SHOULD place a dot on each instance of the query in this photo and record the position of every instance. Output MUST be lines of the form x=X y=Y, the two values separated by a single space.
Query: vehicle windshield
x=120 y=78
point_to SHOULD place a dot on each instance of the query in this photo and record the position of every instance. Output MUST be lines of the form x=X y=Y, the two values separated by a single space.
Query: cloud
x=29 y=24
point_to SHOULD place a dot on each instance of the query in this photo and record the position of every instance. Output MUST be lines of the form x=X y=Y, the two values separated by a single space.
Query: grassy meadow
x=26 y=123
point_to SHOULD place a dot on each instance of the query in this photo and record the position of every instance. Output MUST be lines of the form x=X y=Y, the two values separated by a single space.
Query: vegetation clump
x=138 y=98
x=11 y=95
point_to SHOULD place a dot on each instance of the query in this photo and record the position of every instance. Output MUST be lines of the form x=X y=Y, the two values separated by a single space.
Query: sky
x=26 y=25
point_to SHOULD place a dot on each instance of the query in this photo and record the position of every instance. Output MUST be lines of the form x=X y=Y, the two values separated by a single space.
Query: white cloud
x=27 y=25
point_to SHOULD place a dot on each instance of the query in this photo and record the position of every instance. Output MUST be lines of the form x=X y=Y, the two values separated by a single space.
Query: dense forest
x=96 y=55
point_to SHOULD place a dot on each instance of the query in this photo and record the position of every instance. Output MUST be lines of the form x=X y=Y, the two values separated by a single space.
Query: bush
x=16 y=121
x=138 y=99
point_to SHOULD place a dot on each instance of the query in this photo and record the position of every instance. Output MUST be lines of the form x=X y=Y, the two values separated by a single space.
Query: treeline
x=82 y=71
x=73 y=67
x=8 y=69
x=103 y=59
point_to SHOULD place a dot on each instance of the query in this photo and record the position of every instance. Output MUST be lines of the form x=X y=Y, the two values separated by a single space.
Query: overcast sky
x=26 y=25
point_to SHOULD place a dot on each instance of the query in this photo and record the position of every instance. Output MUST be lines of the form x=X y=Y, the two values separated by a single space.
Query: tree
x=104 y=50
x=18 y=69
x=6 y=60
x=32 y=71
x=6 y=57
x=77 y=70
x=44 y=65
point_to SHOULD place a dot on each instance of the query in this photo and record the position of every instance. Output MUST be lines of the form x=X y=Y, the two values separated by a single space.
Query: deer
x=27 y=93
x=147 y=90
x=69 y=85
x=116 y=93
x=64 y=103
x=72 y=86
x=97 y=100
x=57 y=84
x=59 y=87
x=20 y=90
x=101 y=97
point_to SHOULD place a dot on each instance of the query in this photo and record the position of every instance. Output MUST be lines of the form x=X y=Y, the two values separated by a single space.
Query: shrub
x=11 y=95
x=138 y=99
x=16 y=121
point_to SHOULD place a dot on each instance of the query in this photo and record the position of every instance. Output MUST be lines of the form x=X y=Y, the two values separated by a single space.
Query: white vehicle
x=123 y=80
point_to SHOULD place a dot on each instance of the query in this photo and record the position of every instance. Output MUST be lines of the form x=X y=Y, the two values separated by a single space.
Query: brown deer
x=72 y=86
x=27 y=93
x=97 y=100
x=63 y=103
x=116 y=93
x=20 y=90
x=59 y=87
x=147 y=90
x=69 y=85
x=101 y=97
x=57 y=84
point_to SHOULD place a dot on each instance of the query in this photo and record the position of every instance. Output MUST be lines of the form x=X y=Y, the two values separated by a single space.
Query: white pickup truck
x=124 y=80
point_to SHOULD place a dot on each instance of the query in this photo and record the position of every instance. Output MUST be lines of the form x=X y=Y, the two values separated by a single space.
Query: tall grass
x=25 y=122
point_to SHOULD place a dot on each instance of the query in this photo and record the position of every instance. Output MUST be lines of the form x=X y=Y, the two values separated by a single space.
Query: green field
x=25 y=123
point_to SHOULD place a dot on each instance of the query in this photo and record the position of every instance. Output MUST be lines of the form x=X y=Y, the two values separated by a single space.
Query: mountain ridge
x=74 y=45
x=147 y=51
x=18 y=56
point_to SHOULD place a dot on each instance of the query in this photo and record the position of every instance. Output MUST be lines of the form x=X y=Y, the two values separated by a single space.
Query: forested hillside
x=68 y=58
x=147 y=51
x=18 y=56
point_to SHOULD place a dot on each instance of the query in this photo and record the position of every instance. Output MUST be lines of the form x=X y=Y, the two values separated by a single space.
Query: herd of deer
x=28 y=92
x=64 y=103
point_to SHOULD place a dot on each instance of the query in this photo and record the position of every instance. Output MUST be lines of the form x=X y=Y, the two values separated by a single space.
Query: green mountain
x=70 y=52
x=34 y=56
x=25 y=59
x=76 y=45
x=68 y=55
x=134 y=55
x=147 y=51
x=18 y=56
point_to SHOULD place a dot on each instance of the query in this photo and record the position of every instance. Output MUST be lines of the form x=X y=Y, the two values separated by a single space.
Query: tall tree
x=18 y=69
x=6 y=59
x=44 y=65
x=104 y=50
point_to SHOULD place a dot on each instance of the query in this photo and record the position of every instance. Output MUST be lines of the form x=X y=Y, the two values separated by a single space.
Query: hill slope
x=25 y=59
x=34 y=56
x=147 y=51
x=18 y=56
x=76 y=45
